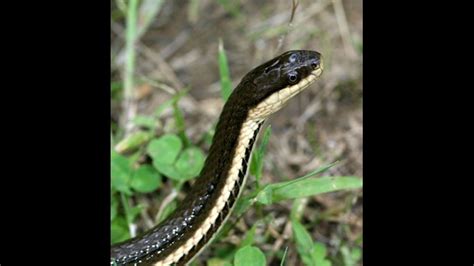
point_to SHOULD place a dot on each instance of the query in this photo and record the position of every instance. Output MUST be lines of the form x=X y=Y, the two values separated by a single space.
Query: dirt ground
x=320 y=126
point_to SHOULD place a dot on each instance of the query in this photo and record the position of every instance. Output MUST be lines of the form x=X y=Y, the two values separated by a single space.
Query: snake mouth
x=278 y=99
x=319 y=70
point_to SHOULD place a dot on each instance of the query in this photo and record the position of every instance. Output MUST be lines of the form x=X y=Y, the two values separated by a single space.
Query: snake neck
x=233 y=132
x=222 y=178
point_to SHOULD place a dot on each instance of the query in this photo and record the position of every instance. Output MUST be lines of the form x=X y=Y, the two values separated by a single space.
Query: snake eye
x=314 y=65
x=292 y=77
x=293 y=58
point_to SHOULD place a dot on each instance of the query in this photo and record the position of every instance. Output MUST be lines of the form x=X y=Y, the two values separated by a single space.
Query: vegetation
x=154 y=158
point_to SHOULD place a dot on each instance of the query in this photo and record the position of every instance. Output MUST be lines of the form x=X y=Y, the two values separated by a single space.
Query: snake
x=179 y=238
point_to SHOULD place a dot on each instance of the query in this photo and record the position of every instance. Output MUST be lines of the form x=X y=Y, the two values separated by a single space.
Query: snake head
x=278 y=80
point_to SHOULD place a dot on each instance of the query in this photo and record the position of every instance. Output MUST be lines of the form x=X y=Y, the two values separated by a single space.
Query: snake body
x=261 y=92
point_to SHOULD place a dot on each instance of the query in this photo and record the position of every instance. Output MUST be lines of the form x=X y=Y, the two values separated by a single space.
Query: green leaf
x=305 y=187
x=144 y=121
x=165 y=149
x=304 y=243
x=249 y=256
x=302 y=237
x=318 y=170
x=190 y=163
x=168 y=170
x=146 y=179
x=119 y=230
x=133 y=141
x=226 y=84
x=350 y=257
x=319 y=254
x=265 y=196
x=120 y=172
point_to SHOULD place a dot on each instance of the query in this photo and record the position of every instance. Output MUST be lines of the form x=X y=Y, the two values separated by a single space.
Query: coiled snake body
x=261 y=92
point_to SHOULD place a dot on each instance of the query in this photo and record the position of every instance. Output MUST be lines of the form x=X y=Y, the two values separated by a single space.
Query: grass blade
x=305 y=187
x=133 y=141
x=130 y=39
x=256 y=165
x=282 y=263
x=226 y=84
x=147 y=13
x=266 y=194
x=304 y=243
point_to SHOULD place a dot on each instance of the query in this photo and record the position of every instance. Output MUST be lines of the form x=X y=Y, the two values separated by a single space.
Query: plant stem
x=130 y=41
